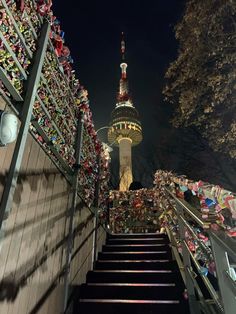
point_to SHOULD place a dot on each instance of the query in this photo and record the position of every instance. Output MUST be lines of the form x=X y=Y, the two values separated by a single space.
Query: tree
x=201 y=82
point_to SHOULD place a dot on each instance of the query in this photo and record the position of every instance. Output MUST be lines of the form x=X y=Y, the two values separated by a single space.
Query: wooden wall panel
x=33 y=233
x=42 y=214
x=33 y=239
x=9 y=225
x=101 y=238
x=23 y=239
x=7 y=153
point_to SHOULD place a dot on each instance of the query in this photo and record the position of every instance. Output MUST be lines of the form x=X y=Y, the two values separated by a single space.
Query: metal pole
x=94 y=256
x=96 y=205
x=193 y=304
x=33 y=81
x=75 y=185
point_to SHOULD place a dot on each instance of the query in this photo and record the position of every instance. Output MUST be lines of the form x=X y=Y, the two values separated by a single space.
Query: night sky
x=93 y=33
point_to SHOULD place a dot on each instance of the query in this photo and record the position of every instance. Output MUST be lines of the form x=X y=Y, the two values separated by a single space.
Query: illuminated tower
x=125 y=127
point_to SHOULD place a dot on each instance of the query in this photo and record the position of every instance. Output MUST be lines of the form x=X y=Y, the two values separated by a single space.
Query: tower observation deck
x=125 y=127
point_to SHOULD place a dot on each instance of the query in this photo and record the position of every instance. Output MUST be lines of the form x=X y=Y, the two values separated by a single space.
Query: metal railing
x=205 y=294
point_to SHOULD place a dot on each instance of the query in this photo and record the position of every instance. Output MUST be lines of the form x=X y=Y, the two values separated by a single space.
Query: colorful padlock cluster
x=21 y=23
x=104 y=177
x=195 y=237
x=20 y=26
x=212 y=201
x=134 y=211
x=90 y=149
x=13 y=56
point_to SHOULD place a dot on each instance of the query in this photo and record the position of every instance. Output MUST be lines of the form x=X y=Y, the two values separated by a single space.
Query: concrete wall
x=33 y=236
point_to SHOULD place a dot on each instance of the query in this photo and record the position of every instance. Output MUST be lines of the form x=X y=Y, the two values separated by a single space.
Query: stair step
x=131 y=292
x=124 y=284
x=134 y=247
x=135 y=255
x=136 y=264
x=131 y=301
x=134 y=277
x=137 y=241
x=137 y=261
x=159 y=271
x=136 y=306
x=136 y=235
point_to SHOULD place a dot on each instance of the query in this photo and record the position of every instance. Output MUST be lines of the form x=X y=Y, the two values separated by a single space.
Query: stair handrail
x=223 y=249
x=193 y=212
x=227 y=243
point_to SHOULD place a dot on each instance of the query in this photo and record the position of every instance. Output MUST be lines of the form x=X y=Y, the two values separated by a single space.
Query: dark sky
x=92 y=32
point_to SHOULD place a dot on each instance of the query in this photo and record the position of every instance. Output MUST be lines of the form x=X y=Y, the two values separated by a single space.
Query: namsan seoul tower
x=125 y=128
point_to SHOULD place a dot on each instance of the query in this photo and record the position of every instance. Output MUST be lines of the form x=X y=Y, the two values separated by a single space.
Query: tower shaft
x=126 y=176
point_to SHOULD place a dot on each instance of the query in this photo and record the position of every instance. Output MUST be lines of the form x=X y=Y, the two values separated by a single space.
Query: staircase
x=134 y=274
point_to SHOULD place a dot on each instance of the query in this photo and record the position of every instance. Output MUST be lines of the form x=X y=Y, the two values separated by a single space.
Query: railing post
x=25 y=117
x=75 y=185
x=95 y=235
x=96 y=222
x=193 y=303
x=222 y=269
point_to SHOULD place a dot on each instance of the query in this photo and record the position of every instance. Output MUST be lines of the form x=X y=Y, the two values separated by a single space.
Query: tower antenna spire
x=123 y=64
x=122 y=46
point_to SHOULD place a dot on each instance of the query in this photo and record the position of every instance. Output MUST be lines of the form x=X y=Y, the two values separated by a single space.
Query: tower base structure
x=126 y=176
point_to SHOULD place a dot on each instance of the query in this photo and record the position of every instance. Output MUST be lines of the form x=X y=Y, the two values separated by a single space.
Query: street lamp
x=117 y=139
x=107 y=148
x=102 y=128
x=105 y=145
